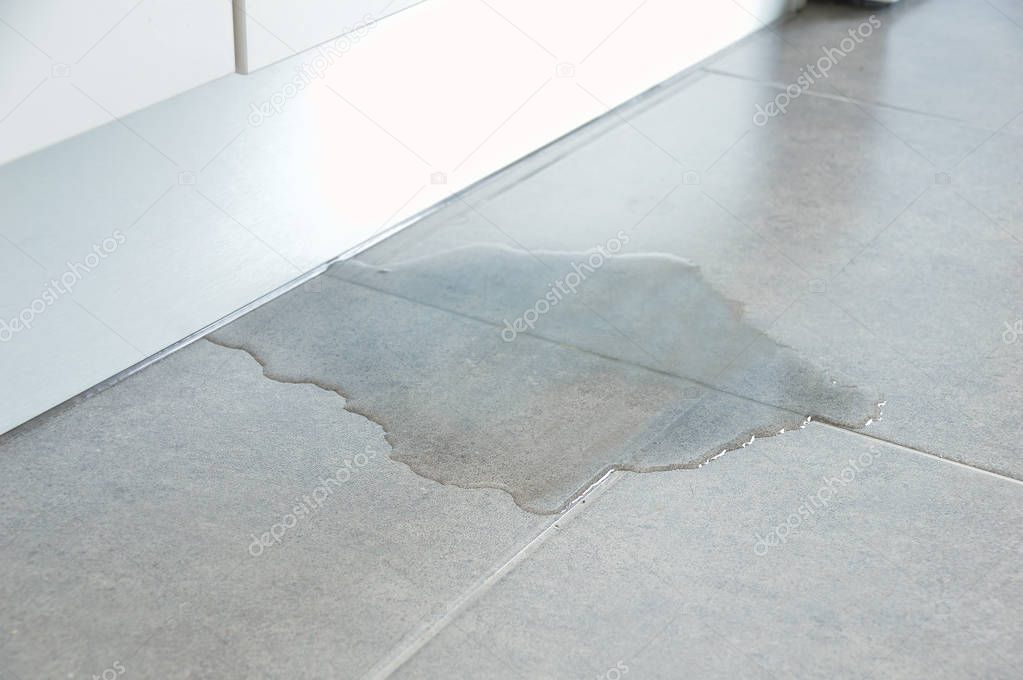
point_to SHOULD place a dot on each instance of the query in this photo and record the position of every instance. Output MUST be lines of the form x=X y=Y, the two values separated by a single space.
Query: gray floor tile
x=782 y=201
x=921 y=312
x=902 y=562
x=141 y=507
x=472 y=650
x=942 y=143
x=990 y=180
x=952 y=59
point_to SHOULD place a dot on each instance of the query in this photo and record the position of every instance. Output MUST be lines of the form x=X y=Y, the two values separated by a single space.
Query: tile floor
x=362 y=478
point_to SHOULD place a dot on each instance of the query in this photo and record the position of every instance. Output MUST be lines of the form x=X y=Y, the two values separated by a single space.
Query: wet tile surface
x=379 y=473
x=612 y=370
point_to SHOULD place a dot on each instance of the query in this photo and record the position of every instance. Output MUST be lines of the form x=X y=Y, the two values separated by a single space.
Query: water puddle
x=538 y=373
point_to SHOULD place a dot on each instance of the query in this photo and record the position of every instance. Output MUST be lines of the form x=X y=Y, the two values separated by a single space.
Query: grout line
x=387 y=666
x=927 y=454
x=778 y=85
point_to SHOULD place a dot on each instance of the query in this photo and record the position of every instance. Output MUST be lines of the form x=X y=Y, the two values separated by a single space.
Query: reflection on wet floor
x=536 y=373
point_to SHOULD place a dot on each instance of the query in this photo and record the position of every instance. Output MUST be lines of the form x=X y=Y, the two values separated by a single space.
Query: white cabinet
x=67 y=66
x=270 y=30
